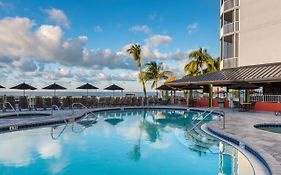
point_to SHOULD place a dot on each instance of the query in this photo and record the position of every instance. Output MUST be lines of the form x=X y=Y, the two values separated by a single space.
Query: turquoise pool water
x=135 y=142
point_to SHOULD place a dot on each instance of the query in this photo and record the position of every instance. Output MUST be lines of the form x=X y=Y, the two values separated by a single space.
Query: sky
x=73 y=42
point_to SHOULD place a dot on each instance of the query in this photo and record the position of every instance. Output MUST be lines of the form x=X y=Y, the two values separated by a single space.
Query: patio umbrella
x=113 y=88
x=242 y=85
x=165 y=88
x=23 y=86
x=54 y=87
x=191 y=87
x=2 y=87
x=87 y=86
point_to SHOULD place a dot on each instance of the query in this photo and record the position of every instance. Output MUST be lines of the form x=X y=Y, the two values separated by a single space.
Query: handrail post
x=223 y=120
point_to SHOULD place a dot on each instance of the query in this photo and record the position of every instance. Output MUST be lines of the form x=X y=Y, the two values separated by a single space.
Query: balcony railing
x=229 y=4
x=230 y=62
x=231 y=27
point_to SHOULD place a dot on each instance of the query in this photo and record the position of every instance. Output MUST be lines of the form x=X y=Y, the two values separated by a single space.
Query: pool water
x=271 y=129
x=135 y=142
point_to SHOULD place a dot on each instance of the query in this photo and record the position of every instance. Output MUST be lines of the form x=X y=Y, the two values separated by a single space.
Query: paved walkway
x=240 y=126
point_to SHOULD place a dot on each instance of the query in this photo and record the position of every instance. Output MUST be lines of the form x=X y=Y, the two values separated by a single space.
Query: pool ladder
x=208 y=112
x=88 y=110
x=11 y=106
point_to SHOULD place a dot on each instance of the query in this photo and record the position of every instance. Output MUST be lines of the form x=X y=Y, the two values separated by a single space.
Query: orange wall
x=266 y=106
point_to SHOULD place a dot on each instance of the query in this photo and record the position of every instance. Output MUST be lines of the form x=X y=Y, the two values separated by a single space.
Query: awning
x=263 y=73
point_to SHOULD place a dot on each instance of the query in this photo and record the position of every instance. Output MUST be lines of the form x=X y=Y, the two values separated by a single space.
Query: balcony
x=230 y=28
x=229 y=4
x=230 y=62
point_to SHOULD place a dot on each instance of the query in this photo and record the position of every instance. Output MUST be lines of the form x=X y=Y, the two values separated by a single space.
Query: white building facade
x=250 y=32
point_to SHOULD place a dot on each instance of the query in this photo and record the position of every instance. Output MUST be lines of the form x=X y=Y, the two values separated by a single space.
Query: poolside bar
x=267 y=76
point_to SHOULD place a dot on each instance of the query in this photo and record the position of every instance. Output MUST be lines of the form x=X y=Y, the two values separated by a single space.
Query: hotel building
x=250 y=32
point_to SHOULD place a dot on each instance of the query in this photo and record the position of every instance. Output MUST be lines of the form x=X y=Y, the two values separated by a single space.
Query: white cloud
x=140 y=28
x=98 y=29
x=192 y=28
x=156 y=40
x=58 y=17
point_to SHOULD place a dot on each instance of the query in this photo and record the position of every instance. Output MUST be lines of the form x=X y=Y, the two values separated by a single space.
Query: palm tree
x=154 y=72
x=135 y=51
x=200 y=60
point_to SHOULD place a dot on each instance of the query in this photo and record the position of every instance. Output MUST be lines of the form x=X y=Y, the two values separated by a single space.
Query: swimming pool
x=274 y=128
x=122 y=142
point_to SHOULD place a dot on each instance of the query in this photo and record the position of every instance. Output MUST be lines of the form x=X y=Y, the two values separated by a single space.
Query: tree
x=135 y=51
x=200 y=60
x=155 y=72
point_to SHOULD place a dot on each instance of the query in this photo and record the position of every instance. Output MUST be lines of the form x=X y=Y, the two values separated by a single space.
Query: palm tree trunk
x=156 y=82
x=143 y=83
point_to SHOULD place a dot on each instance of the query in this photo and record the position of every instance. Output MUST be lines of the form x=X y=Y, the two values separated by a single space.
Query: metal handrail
x=56 y=107
x=88 y=110
x=10 y=106
x=209 y=113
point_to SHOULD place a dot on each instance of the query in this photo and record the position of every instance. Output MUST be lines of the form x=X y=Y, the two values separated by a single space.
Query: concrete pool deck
x=239 y=126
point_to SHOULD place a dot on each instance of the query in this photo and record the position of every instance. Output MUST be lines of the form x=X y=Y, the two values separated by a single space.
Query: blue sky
x=73 y=42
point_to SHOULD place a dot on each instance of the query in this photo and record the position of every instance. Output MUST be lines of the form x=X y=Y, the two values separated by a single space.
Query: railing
x=11 y=106
x=231 y=27
x=88 y=110
x=54 y=107
x=208 y=113
x=229 y=4
x=266 y=98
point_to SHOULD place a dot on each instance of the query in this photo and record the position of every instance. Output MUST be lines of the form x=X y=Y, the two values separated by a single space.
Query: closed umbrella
x=54 y=87
x=23 y=86
x=113 y=88
x=87 y=86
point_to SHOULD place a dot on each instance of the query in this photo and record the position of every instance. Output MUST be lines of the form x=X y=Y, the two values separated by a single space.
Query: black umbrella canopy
x=113 y=88
x=165 y=88
x=54 y=87
x=23 y=86
x=242 y=85
x=2 y=87
x=191 y=87
x=87 y=86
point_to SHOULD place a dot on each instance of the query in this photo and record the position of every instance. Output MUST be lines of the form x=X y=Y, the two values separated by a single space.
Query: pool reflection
x=124 y=140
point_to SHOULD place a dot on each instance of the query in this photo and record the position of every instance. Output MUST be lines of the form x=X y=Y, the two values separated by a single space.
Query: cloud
x=46 y=43
x=192 y=28
x=140 y=28
x=156 y=40
x=58 y=17
x=98 y=29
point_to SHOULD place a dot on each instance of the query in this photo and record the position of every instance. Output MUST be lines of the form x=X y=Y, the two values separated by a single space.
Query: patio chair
x=93 y=102
x=134 y=101
x=56 y=101
x=47 y=103
x=67 y=102
x=12 y=101
x=39 y=104
x=101 y=101
x=23 y=103
x=140 y=101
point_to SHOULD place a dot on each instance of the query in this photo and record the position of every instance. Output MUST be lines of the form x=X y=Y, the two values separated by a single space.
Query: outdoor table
x=245 y=107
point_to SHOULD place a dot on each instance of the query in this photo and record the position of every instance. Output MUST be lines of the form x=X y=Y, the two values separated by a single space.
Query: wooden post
x=211 y=95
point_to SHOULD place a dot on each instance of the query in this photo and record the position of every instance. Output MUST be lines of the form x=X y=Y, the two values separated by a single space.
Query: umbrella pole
x=54 y=92
x=87 y=92
x=24 y=92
